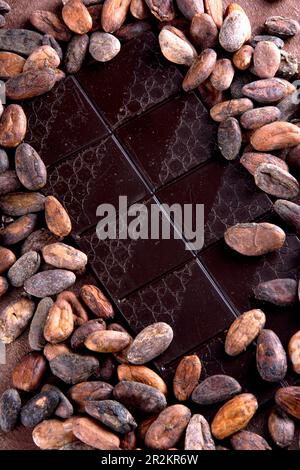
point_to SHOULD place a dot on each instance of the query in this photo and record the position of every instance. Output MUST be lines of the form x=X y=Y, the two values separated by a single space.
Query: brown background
x=257 y=10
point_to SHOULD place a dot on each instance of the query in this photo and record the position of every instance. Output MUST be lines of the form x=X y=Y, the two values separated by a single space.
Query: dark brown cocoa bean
x=268 y=90
x=80 y=334
x=276 y=181
x=17 y=204
x=187 y=377
x=36 y=333
x=49 y=23
x=288 y=107
x=280 y=26
x=40 y=407
x=108 y=369
x=163 y=10
x=288 y=399
x=235 y=31
x=209 y=95
x=38 y=239
x=18 y=230
x=289 y=212
x=204 y=32
x=198 y=435
x=49 y=40
x=255 y=118
x=281 y=428
x=252 y=160
x=4 y=162
x=24 y=268
x=65 y=408
x=271 y=358
x=129 y=441
x=230 y=138
x=150 y=343
x=132 y=30
x=10 y=406
x=112 y=414
x=238 y=82
x=189 y=8
x=57 y=219
x=13 y=126
x=215 y=389
x=139 y=397
x=200 y=70
x=266 y=59
x=255 y=239
x=9 y=182
x=227 y=109
x=265 y=37
x=21 y=41
x=30 y=84
x=280 y=292
x=96 y=11
x=47 y=283
x=246 y=440
x=72 y=368
x=94 y=391
x=29 y=372
x=76 y=52
x=96 y=301
x=76 y=445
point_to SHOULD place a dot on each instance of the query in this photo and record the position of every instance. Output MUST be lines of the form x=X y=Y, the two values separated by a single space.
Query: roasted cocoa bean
x=222 y=75
x=107 y=341
x=243 y=57
x=271 y=358
x=281 y=428
x=86 y=391
x=80 y=334
x=151 y=342
x=49 y=283
x=53 y=434
x=215 y=389
x=255 y=239
x=280 y=292
x=43 y=57
x=112 y=414
x=209 y=95
x=76 y=16
x=18 y=230
x=129 y=441
x=163 y=10
x=30 y=84
x=76 y=52
x=294 y=352
x=21 y=41
x=59 y=324
x=176 y=47
x=15 y=318
x=274 y=136
x=215 y=9
x=57 y=219
x=200 y=69
x=288 y=398
x=187 y=377
x=13 y=126
x=139 y=397
x=143 y=375
x=198 y=435
x=17 y=204
x=114 y=14
x=235 y=31
x=40 y=407
x=94 y=435
x=204 y=32
x=289 y=212
x=10 y=406
x=49 y=23
x=230 y=138
x=259 y=117
x=108 y=369
x=96 y=301
x=268 y=90
x=7 y=259
x=243 y=331
x=72 y=368
x=276 y=181
x=24 y=268
x=222 y=111
x=36 y=333
x=246 y=440
x=29 y=372
x=64 y=256
x=280 y=26
x=252 y=160
x=65 y=407
x=38 y=239
x=80 y=315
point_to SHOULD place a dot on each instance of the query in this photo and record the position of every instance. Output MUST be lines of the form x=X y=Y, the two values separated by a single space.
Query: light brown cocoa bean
x=200 y=70
x=268 y=90
x=57 y=219
x=243 y=331
x=288 y=398
x=122 y=355
x=30 y=84
x=51 y=351
x=176 y=47
x=3 y=286
x=203 y=31
x=43 y=57
x=271 y=358
x=151 y=342
x=226 y=109
x=29 y=372
x=59 y=324
x=49 y=23
x=215 y=9
x=275 y=181
x=243 y=57
x=235 y=31
x=198 y=435
x=10 y=65
x=187 y=377
x=107 y=341
x=7 y=259
x=53 y=434
x=38 y=239
x=114 y=14
x=96 y=301
x=281 y=428
x=15 y=318
x=89 y=391
x=76 y=16
x=13 y=126
x=80 y=315
x=80 y=334
x=18 y=230
x=94 y=434
x=252 y=160
x=294 y=351
x=266 y=59
x=17 y=204
x=64 y=256
x=143 y=375
x=139 y=9
x=277 y=135
x=222 y=75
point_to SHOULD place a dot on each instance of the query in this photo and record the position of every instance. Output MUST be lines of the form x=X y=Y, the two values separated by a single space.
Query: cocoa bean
x=49 y=40
x=187 y=377
x=288 y=65
x=243 y=57
x=268 y=90
x=122 y=355
x=96 y=301
x=24 y=268
x=51 y=351
x=276 y=181
x=289 y=212
x=151 y=342
x=259 y=117
x=280 y=292
x=30 y=84
x=4 y=162
x=198 y=435
x=281 y=428
x=40 y=407
x=209 y=95
x=294 y=352
x=235 y=31
x=288 y=107
x=277 y=135
x=280 y=26
x=264 y=37
x=10 y=65
x=18 y=230
x=37 y=240
x=104 y=46
x=76 y=445
x=234 y=415
x=64 y=256
x=271 y=358
x=76 y=16
x=288 y=398
x=139 y=397
x=255 y=239
x=53 y=434
x=215 y=9
x=36 y=333
x=43 y=57
x=10 y=406
x=189 y=8
x=76 y=52
x=230 y=138
x=176 y=47
x=200 y=70
x=251 y=161
x=59 y=324
x=143 y=375
x=13 y=126
x=204 y=32
x=145 y=425
x=17 y=204
x=243 y=331
x=108 y=368
x=215 y=389
x=132 y=30
x=9 y=182
x=227 y=109
x=86 y=391
x=114 y=14
x=49 y=23
x=168 y=428
x=65 y=408
x=72 y=368
x=80 y=315
x=57 y=219
x=29 y=372
x=238 y=82
x=139 y=9
x=94 y=435
x=80 y=334
x=3 y=286
x=246 y=440
x=112 y=414
x=129 y=441
x=163 y=10
x=266 y=59
x=107 y=341
x=222 y=75
x=7 y=259
x=21 y=41
x=49 y=283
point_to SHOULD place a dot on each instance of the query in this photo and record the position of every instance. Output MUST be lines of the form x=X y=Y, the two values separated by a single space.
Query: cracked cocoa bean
x=80 y=315
x=151 y=342
x=59 y=324
x=47 y=283
x=271 y=358
x=72 y=368
x=139 y=397
x=15 y=318
x=10 y=406
x=38 y=408
x=280 y=292
x=29 y=372
x=198 y=435
x=275 y=181
x=112 y=414
x=186 y=377
x=215 y=389
x=288 y=65
x=230 y=138
x=36 y=332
